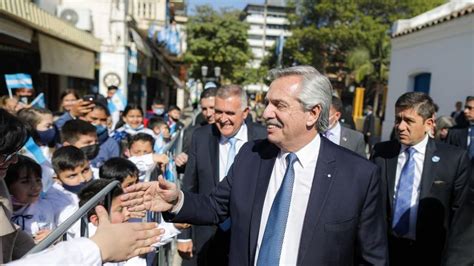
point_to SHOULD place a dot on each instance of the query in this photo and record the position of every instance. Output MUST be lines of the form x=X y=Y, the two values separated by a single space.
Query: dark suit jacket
x=353 y=140
x=442 y=190
x=202 y=171
x=458 y=137
x=343 y=225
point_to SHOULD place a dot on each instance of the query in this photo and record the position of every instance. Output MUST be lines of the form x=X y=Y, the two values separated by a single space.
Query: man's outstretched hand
x=158 y=196
x=119 y=242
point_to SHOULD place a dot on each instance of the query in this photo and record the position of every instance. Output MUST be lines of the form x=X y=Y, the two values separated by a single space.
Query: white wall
x=446 y=51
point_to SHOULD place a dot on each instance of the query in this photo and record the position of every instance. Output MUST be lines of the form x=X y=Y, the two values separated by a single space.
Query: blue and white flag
x=39 y=102
x=118 y=102
x=159 y=144
x=17 y=81
x=34 y=152
x=169 y=172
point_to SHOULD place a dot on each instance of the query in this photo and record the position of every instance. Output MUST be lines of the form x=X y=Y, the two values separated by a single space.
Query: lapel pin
x=329 y=175
x=344 y=138
x=435 y=159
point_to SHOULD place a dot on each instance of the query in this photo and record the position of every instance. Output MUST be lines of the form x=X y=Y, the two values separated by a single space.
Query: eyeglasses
x=468 y=107
x=9 y=156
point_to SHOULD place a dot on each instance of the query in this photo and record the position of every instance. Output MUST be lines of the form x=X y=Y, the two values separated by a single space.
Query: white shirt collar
x=306 y=154
x=241 y=135
x=420 y=147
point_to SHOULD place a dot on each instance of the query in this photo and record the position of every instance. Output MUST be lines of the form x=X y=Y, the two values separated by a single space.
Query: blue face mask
x=102 y=133
x=47 y=136
x=158 y=111
x=75 y=189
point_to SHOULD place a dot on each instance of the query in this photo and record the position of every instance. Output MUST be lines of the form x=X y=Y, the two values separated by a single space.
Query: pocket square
x=439 y=182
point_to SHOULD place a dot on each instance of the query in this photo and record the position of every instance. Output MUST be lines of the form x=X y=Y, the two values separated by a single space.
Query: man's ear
x=246 y=112
x=66 y=143
x=126 y=152
x=313 y=116
x=94 y=219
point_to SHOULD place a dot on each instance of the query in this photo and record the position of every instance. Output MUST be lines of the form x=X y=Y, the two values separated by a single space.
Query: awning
x=61 y=58
x=141 y=45
x=15 y=30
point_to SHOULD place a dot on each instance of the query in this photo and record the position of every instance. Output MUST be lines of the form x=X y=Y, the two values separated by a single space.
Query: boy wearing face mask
x=109 y=147
x=140 y=152
x=82 y=135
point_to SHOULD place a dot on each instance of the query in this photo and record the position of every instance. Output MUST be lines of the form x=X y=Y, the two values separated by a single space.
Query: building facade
x=433 y=53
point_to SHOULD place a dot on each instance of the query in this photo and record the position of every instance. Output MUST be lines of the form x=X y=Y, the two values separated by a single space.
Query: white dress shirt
x=224 y=148
x=334 y=134
x=304 y=175
x=419 y=158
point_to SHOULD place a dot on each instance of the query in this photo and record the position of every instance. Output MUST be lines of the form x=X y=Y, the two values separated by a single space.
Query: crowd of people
x=305 y=188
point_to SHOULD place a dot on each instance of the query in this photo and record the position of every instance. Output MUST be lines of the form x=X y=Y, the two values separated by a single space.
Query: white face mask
x=145 y=165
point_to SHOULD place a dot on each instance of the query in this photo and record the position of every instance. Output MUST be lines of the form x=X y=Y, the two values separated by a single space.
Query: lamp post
x=217 y=74
x=204 y=73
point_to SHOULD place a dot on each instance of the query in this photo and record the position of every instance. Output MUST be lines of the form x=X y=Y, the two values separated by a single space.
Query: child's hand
x=41 y=234
x=160 y=158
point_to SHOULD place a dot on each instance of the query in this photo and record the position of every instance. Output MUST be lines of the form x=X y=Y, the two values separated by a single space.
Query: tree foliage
x=346 y=36
x=217 y=38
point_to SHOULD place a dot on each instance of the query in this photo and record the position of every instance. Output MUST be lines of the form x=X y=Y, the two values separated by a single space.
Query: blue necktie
x=401 y=214
x=231 y=154
x=225 y=225
x=471 y=144
x=270 y=248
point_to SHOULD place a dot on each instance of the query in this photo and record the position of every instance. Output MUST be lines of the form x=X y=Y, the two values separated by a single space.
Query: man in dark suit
x=295 y=198
x=206 y=167
x=341 y=135
x=464 y=137
x=424 y=183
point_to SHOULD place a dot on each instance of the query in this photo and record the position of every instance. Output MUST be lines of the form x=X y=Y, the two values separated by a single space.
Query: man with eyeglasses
x=464 y=137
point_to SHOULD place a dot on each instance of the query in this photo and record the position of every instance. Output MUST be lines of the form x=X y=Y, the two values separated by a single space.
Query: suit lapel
x=343 y=141
x=214 y=153
x=428 y=165
x=263 y=178
x=322 y=182
x=392 y=172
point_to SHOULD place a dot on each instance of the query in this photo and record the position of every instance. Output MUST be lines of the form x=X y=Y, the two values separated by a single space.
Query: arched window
x=422 y=83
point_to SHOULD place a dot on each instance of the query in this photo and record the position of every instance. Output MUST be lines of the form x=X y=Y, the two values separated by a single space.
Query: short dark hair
x=112 y=87
x=141 y=137
x=100 y=106
x=155 y=121
x=131 y=107
x=208 y=93
x=67 y=158
x=74 y=129
x=419 y=101
x=94 y=187
x=174 y=107
x=469 y=98
x=118 y=169
x=336 y=103
x=24 y=164
x=157 y=101
x=13 y=132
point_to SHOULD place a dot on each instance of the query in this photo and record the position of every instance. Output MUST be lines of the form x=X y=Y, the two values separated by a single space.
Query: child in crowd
x=131 y=124
x=140 y=152
x=161 y=133
x=72 y=173
x=120 y=169
x=33 y=214
x=109 y=147
x=83 y=135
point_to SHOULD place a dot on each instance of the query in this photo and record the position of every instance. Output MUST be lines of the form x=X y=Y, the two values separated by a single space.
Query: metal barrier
x=61 y=230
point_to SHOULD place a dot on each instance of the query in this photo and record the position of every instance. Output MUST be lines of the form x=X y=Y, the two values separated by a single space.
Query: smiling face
x=27 y=187
x=229 y=115
x=289 y=126
x=68 y=101
x=133 y=118
x=410 y=126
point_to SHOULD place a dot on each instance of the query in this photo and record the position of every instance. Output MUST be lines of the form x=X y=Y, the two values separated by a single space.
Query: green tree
x=218 y=38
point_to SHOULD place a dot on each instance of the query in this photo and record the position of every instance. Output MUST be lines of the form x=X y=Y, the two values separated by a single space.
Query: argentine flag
x=118 y=102
x=169 y=172
x=39 y=102
x=17 y=81
x=34 y=152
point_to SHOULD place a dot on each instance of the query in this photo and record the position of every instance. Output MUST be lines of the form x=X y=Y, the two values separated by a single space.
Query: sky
x=217 y=4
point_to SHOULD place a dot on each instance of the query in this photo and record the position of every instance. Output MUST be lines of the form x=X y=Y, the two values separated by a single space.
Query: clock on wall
x=112 y=79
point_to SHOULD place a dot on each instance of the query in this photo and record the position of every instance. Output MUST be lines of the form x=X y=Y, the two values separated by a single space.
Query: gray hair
x=316 y=89
x=227 y=91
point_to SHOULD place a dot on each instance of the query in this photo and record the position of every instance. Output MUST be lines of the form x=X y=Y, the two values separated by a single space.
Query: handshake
x=157 y=196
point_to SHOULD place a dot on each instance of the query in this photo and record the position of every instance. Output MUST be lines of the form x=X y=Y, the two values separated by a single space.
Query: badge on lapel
x=435 y=159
